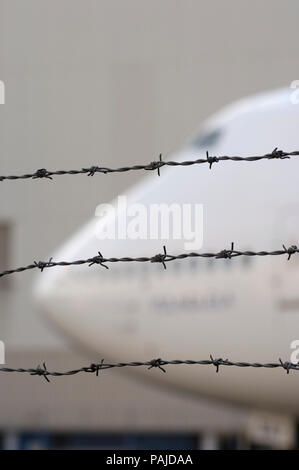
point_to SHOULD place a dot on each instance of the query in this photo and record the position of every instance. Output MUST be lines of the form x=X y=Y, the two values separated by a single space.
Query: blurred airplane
x=243 y=309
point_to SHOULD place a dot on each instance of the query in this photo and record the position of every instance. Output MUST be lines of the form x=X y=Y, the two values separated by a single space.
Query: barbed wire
x=162 y=258
x=155 y=165
x=96 y=368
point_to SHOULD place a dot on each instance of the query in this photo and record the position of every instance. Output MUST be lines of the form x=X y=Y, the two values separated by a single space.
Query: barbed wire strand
x=162 y=258
x=96 y=368
x=155 y=165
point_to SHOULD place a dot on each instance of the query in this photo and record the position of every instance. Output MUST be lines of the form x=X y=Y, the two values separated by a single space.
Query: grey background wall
x=111 y=82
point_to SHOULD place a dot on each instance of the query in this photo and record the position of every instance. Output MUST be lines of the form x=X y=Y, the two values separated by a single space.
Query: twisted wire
x=159 y=363
x=162 y=258
x=43 y=173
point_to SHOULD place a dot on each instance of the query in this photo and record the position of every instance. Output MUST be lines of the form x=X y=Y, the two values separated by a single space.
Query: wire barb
x=226 y=254
x=217 y=362
x=286 y=365
x=160 y=258
x=96 y=367
x=42 y=173
x=41 y=371
x=43 y=264
x=211 y=160
x=157 y=363
x=156 y=165
x=91 y=171
x=95 y=169
x=98 y=260
x=279 y=154
x=290 y=251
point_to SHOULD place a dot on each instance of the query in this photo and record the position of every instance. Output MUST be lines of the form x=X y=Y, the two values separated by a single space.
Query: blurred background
x=111 y=82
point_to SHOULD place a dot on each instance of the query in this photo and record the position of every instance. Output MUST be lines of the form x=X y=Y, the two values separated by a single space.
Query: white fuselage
x=244 y=309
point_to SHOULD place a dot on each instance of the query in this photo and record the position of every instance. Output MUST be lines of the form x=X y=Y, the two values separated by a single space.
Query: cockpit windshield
x=207 y=139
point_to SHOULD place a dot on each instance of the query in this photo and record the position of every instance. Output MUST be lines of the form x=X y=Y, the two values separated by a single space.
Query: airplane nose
x=98 y=307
